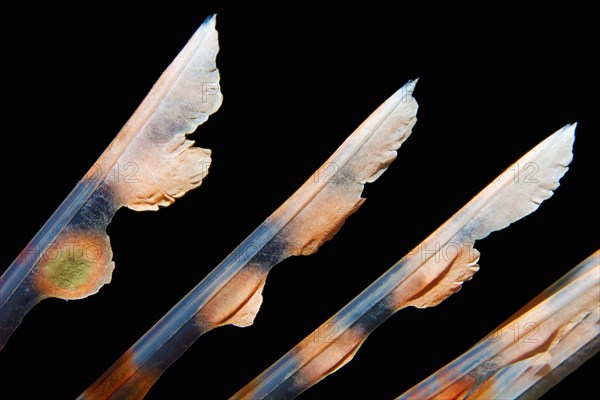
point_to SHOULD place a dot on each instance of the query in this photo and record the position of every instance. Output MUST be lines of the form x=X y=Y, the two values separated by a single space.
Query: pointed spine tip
x=409 y=87
x=568 y=131
x=573 y=127
x=405 y=92
x=211 y=21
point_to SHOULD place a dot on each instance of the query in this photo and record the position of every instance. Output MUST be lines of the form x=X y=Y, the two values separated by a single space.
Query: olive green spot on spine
x=69 y=272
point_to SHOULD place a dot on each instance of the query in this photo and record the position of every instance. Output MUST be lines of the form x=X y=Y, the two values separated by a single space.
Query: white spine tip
x=564 y=134
x=409 y=87
x=573 y=126
x=210 y=21
x=405 y=92
x=569 y=131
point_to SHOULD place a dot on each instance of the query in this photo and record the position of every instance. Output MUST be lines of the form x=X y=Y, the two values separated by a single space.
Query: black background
x=296 y=79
